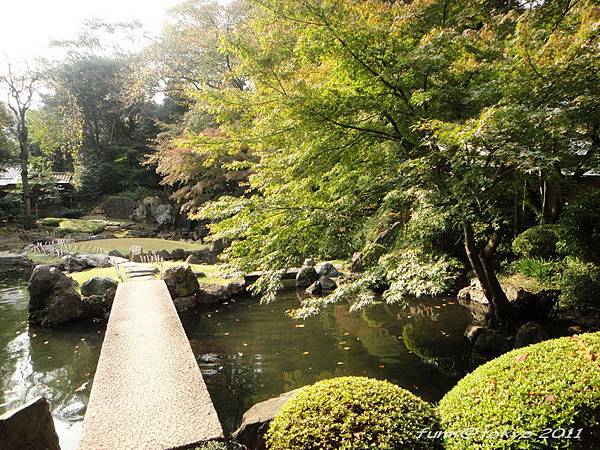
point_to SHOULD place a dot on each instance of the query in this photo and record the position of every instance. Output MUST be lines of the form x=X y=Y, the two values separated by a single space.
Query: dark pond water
x=247 y=352
x=58 y=364
x=250 y=352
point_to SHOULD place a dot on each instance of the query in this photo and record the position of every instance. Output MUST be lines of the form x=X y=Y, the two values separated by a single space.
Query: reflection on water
x=249 y=353
x=246 y=351
x=58 y=364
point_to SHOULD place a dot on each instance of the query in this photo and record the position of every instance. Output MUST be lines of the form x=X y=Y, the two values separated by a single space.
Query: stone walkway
x=136 y=271
x=148 y=392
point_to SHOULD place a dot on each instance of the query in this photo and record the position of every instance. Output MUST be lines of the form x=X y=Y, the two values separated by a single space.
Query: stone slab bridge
x=148 y=392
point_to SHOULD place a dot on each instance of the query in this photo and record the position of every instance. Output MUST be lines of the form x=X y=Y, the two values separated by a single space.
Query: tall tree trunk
x=24 y=157
x=481 y=262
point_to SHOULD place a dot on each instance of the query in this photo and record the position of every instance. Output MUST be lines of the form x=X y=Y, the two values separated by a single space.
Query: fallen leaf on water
x=45 y=342
x=82 y=387
x=521 y=357
x=346 y=348
x=299 y=325
x=306 y=353
x=226 y=334
x=340 y=363
x=381 y=366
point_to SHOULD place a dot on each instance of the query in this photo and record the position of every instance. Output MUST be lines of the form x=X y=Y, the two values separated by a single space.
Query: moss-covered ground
x=122 y=245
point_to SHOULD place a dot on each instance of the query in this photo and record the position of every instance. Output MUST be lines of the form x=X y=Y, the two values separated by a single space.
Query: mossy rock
x=65 y=225
x=553 y=385
x=353 y=413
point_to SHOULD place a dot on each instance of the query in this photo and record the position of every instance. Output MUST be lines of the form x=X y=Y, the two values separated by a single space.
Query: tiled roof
x=12 y=176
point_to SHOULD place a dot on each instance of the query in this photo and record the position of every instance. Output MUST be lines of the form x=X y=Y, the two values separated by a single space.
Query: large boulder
x=327 y=283
x=314 y=289
x=535 y=307
x=97 y=286
x=78 y=263
x=163 y=214
x=119 y=207
x=257 y=419
x=178 y=254
x=74 y=263
x=530 y=333
x=527 y=306
x=164 y=255
x=185 y=303
x=181 y=281
x=306 y=276
x=327 y=269
x=53 y=297
x=192 y=259
x=29 y=427
x=94 y=307
x=217 y=293
x=491 y=344
x=309 y=262
x=116 y=254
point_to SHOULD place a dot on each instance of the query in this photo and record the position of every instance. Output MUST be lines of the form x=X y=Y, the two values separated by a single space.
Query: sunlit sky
x=26 y=26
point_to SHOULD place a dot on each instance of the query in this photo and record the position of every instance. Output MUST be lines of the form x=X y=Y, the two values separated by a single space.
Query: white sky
x=26 y=26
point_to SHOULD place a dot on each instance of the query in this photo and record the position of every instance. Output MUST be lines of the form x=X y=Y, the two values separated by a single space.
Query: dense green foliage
x=553 y=384
x=580 y=223
x=352 y=413
x=537 y=242
x=537 y=268
x=421 y=134
x=580 y=284
x=359 y=115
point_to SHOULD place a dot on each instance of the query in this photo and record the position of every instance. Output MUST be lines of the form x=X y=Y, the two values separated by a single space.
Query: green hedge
x=537 y=242
x=353 y=413
x=580 y=284
x=554 y=384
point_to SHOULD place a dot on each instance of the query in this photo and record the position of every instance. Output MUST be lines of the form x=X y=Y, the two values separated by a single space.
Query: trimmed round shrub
x=353 y=413
x=520 y=395
x=580 y=227
x=580 y=283
x=537 y=242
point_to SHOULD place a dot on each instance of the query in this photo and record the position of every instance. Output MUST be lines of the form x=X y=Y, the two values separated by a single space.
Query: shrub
x=10 y=206
x=580 y=225
x=73 y=225
x=580 y=283
x=537 y=269
x=50 y=221
x=537 y=242
x=353 y=413
x=72 y=214
x=554 y=384
x=27 y=222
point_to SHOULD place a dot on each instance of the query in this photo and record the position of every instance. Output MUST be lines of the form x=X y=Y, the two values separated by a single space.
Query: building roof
x=11 y=176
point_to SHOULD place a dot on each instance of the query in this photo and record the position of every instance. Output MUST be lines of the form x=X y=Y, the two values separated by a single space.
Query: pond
x=247 y=352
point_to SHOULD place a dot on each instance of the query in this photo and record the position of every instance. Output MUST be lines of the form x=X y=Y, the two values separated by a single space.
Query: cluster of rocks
x=54 y=297
x=534 y=315
x=149 y=210
x=317 y=279
x=187 y=292
x=77 y=262
x=206 y=255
